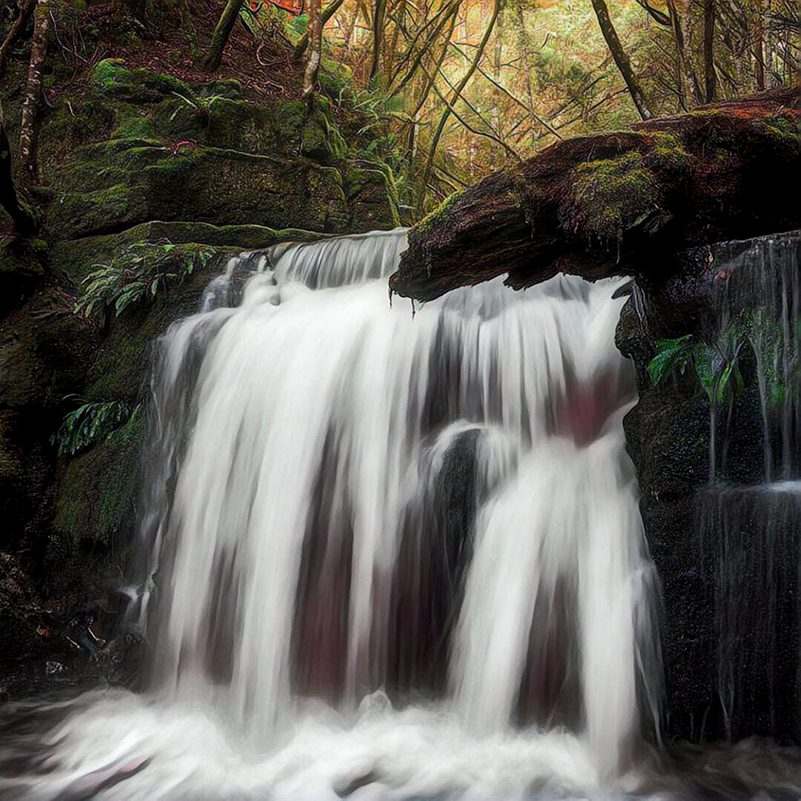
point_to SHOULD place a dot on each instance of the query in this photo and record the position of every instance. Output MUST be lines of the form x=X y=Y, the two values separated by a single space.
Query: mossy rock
x=372 y=198
x=75 y=259
x=166 y=150
x=212 y=185
x=82 y=213
x=96 y=491
x=120 y=369
x=667 y=153
x=44 y=351
x=785 y=129
x=133 y=123
x=112 y=78
x=22 y=257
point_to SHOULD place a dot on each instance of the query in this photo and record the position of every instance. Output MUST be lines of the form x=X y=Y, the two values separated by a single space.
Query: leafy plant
x=139 y=274
x=91 y=423
x=715 y=366
x=671 y=355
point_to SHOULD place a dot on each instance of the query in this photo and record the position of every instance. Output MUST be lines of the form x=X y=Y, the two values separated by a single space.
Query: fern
x=90 y=424
x=138 y=274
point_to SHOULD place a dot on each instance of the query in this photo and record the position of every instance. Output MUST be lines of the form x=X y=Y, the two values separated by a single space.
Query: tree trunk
x=221 y=34
x=331 y=9
x=456 y=95
x=14 y=32
x=621 y=59
x=24 y=220
x=33 y=91
x=379 y=15
x=315 y=50
x=188 y=26
x=759 y=47
x=524 y=44
x=710 y=79
x=497 y=68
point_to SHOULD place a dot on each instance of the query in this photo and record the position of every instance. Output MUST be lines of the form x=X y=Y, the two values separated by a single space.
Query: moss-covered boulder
x=45 y=350
x=166 y=150
x=370 y=190
x=96 y=491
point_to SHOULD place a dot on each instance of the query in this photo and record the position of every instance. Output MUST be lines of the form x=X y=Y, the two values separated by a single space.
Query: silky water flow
x=386 y=552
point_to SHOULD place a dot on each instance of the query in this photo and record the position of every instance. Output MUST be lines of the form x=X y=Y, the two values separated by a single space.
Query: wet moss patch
x=611 y=196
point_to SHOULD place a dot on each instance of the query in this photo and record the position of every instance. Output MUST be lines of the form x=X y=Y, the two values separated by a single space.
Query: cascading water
x=750 y=514
x=390 y=554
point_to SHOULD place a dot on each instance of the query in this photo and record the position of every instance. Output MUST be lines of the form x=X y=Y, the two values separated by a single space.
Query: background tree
x=315 y=49
x=621 y=58
x=222 y=33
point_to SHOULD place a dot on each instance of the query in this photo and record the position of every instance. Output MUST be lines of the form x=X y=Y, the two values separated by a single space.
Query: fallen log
x=621 y=203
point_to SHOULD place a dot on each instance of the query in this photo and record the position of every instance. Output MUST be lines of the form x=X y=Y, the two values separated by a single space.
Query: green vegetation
x=91 y=423
x=613 y=195
x=137 y=275
x=716 y=367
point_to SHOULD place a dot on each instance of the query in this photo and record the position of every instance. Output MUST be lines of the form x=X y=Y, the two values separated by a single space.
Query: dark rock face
x=723 y=538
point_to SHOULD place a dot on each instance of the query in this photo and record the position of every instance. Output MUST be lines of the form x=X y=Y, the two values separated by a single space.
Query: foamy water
x=385 y=555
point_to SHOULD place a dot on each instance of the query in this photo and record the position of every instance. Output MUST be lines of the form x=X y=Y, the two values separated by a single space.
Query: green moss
x=111 y=77
x=290 y=117
x=131 y=124
x=668 y=153
x=77 y=258
x=372 y=196
x=120 y=370
x=611 y=196
x=109 y=73
x=229 y=88
x=336 y=79
x=430 y=221
x=22 y=257
x=96 y=495
x=783 y=128
x=79 y=213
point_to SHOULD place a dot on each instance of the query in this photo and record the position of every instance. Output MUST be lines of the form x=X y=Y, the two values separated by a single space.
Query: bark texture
x=221 y=34
x=315 y=49
x=617 y=204
x=33 y=91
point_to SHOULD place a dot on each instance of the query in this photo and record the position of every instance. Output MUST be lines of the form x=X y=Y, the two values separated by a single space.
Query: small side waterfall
x=759 y=318
x=750 y=515
x=383 y=550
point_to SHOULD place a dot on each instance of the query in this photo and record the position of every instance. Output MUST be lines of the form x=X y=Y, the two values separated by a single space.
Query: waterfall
x=758 y=317
x=383 y=551
x=750 y=514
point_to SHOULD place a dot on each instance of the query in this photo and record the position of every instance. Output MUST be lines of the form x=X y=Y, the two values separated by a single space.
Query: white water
x=349 y=504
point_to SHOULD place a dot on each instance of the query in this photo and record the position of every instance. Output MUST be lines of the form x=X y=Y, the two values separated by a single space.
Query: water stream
x=385 y=554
